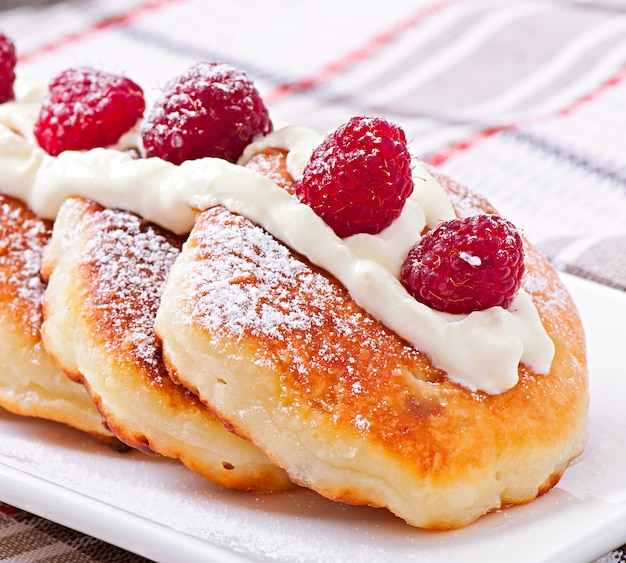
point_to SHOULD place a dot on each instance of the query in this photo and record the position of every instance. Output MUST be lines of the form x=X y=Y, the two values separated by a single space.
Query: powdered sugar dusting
x=130 y=259
x=550 y=295
x=22 y=239
x=238 y=290
x=240 y=284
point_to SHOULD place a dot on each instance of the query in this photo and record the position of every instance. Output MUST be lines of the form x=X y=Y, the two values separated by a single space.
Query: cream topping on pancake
x=481 y=350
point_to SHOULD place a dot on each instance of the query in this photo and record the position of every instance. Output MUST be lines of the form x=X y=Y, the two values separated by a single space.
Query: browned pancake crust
x=272 y=164
x=23 y=236
x=103 y=294
x=30 y=382
x=348 y=408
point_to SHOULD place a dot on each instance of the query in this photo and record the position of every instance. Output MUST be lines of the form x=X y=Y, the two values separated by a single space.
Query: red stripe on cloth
x=357 y=55
x=612 y=82
x=441 y=157
x=117 y=20
x=8 y=509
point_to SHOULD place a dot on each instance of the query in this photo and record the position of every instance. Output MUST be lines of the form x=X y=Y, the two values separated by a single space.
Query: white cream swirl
x=481 y=350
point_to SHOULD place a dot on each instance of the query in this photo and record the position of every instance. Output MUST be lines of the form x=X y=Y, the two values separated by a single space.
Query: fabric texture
x=25 y=537
x=524 y=102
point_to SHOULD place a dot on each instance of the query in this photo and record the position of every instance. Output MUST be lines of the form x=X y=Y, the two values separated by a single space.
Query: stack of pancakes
x=31 y=383
x=106 y=270
x=186 y=347
x=94 y=364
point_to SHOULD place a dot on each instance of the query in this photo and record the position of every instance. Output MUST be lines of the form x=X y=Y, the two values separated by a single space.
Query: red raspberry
x=87 y=108
x=8 y=61
x=359 y=177
x=212 y=110
x=466 y=265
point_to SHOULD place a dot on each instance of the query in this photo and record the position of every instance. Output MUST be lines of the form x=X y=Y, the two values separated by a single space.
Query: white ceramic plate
x=159 y=509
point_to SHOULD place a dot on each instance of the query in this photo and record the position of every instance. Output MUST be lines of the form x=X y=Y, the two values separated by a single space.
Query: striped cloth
x=25 y=538
x=522 y=101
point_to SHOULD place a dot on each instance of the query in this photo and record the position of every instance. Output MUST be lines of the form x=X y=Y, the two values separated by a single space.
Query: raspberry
x=211 y=110
x=359 y=177
x=8 y=61
x=466 y=265
x=87 y=108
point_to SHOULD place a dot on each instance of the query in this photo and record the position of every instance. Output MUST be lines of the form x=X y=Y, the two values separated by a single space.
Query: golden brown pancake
x=30 y=382
x=105 y=270
x=286 y=358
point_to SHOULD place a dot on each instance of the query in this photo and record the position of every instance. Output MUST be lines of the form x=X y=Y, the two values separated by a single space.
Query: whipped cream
x=481 y=350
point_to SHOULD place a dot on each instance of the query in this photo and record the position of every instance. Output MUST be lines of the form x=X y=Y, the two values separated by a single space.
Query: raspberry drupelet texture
x=359 y=177
x=87 y=108
x=211 y=110
x=466 y=265
x=8 y=61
